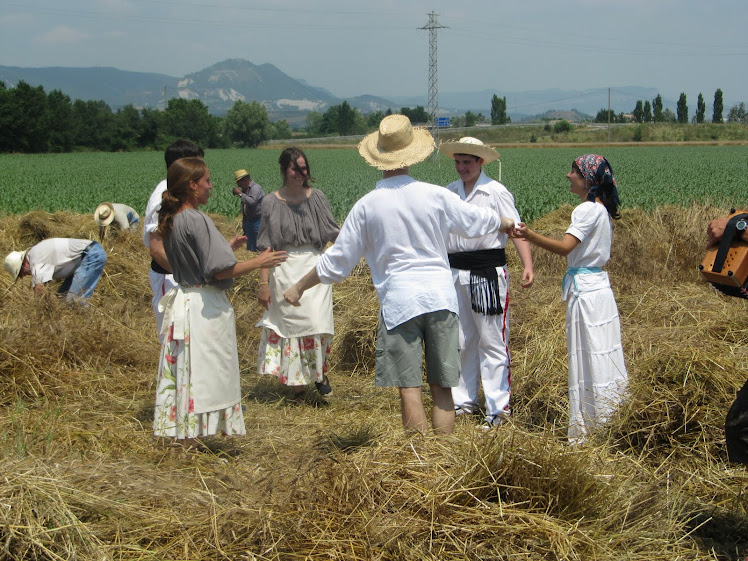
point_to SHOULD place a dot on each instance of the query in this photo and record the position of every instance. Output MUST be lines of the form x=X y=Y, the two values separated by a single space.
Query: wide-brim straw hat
x=240 y=173
x=104 y=214
x=14 y=262
x=397 y=144
x=469 y=145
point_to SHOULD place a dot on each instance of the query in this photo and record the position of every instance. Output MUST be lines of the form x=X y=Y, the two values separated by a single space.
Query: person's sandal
x=323 y=387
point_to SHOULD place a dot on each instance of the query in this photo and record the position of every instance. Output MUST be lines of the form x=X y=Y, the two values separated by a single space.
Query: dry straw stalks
x=84 y=479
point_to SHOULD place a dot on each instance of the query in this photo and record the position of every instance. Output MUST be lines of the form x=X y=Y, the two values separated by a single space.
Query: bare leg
x=413 y=413
x=442 y=409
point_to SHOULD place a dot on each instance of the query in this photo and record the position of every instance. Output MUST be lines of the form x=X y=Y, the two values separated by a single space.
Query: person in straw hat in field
x=482 y=283
x=78 y=263
x=251 y=195
x=402 y=228
x=123 y=216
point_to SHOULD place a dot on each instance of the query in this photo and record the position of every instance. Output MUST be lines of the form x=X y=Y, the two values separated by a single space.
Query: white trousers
x=484 y=353
x=160 y=285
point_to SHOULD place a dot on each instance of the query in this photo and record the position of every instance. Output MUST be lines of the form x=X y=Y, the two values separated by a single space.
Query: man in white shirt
x=482 y=283
x=78 y=263
x=401 y=228
x=160 y=273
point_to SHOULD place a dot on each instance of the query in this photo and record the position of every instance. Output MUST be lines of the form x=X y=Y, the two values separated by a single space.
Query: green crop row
x=647 y=177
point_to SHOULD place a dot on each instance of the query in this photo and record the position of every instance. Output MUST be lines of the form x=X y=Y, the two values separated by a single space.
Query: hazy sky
x=377 y=47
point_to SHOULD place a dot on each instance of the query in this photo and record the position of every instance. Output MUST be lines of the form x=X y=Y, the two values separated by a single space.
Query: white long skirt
x=597 y=372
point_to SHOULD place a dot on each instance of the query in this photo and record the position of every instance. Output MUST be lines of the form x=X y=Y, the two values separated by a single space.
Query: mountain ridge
x=220 y=85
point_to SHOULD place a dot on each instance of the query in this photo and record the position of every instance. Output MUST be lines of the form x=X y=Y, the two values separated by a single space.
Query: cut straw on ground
x=83 y=478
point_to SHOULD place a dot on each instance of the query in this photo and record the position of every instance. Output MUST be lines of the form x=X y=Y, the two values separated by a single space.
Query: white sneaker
x=492 y=421
x=462 y=411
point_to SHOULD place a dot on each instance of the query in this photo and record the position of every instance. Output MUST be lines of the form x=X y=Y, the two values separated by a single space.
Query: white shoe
x=462 y=411
x=492 y=421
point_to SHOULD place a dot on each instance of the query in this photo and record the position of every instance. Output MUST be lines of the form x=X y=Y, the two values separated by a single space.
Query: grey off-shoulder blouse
x=308 y=223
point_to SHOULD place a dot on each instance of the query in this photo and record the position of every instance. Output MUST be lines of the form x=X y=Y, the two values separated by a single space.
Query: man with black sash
x=482 y=284
x=732 y=229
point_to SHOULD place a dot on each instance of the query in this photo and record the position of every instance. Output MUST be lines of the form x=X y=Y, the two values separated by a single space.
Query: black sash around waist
x=485 y=296
x=156 y=268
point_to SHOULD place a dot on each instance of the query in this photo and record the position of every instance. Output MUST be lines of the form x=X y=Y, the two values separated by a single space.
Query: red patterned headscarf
x=595 y=169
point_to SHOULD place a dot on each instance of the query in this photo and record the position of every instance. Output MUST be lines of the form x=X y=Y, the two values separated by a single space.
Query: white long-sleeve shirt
x=486 y=193
x=150 y=218
x=401 y=228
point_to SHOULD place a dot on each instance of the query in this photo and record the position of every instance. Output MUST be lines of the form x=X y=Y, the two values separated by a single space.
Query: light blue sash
x=574 y=271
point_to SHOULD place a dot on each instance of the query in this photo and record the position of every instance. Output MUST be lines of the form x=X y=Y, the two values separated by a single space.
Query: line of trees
x=646 y=112
x=34 y=121
x=345 y=120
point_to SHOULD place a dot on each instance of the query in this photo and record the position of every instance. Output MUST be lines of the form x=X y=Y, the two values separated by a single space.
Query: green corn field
x=648 y=177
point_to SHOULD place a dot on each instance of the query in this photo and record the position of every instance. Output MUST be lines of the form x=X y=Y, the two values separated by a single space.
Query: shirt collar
x=393 y=182
x=480 y=184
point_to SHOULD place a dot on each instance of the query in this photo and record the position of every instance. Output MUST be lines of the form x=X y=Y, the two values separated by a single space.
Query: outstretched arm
x=560 y=247
x=267 y=258
x=293 y=294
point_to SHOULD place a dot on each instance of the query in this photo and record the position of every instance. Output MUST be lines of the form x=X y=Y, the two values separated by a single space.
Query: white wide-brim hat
x=14 y=262
x=469 y=145
x=104 y=214
x=397 y=144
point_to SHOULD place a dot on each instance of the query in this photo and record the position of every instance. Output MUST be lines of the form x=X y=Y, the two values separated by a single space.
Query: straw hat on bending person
x=107 y=213
x=14 y=263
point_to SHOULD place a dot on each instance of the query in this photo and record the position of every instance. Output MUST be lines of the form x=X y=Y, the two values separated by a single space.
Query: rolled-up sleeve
x=470 y=221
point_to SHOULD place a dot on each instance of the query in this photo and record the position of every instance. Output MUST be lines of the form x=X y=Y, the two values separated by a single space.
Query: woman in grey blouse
x=296 y=341
x=198 y=392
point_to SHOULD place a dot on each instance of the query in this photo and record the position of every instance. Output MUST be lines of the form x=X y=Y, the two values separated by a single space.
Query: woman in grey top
x=296 y=341
x=198 y=391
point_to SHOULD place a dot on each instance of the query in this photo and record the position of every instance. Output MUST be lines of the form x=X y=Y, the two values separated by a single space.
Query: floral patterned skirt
x=295 y=361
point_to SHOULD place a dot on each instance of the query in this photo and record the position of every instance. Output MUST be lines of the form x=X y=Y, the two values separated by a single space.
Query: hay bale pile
x=83 y=477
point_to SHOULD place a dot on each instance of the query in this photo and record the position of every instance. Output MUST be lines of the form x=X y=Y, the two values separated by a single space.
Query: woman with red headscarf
x=597 y=373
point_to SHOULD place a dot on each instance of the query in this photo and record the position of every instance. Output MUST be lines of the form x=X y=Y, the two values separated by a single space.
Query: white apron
x=314 y=314
x=205 y=316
